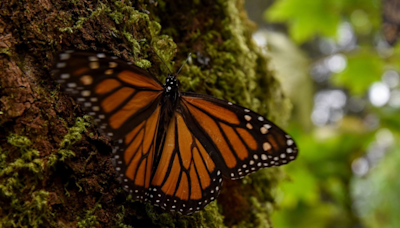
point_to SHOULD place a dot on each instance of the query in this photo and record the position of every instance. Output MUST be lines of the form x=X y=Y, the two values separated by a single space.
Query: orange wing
x=135 y=156
x=186 y=179
x=125 y=101
x=118 y=94
x=238 y=140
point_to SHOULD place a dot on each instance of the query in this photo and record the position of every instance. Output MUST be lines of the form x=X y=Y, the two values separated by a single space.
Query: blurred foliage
x=376 y=196
x=363 y=68
x=318 y=193
x=322 y=190
x=308 y=18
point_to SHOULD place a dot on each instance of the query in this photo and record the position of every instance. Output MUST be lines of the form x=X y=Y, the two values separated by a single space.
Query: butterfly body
x=170 y=99
x=172 y=148
x=168 y=103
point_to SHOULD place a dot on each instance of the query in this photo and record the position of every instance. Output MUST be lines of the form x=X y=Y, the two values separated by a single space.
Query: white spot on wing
x=61 y=65
x=249 y=126
x=109 y=72
x=93 y=58
x=85 y=93
x=64 y=56
x=264 y=157
x=64 y=76
x=266 y=146
x=263 y=130
x=94 y=65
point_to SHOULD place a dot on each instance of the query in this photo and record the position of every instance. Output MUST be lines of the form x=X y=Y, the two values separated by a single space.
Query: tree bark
x=55 y=167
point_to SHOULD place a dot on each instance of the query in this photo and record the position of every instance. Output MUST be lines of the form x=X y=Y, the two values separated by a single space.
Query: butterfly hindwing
x=186 y=179
x=240 y=141
x=134 y=156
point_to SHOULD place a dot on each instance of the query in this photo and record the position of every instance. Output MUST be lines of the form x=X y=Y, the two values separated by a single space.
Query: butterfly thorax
x=171 y=91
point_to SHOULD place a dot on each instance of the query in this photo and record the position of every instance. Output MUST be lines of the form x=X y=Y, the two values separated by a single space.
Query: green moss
x=73 y=136
x=102 y=9
x=21 y=203
x=262 y=212
x=119 y=218
x=210 y=216
x=89 y=220
x=28 y=157
x=207 y=218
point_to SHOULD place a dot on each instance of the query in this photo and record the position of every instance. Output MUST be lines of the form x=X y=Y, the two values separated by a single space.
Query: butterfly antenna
x=145 y=41
x=190 y=54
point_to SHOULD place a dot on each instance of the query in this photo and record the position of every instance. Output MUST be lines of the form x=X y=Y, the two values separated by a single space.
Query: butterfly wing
x=239 y=141
x=125 y=101
x=118 y=94
x=186 y=178
x=208 y=138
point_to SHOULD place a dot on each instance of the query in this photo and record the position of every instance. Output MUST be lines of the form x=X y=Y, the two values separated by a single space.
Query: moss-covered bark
x=55 y=167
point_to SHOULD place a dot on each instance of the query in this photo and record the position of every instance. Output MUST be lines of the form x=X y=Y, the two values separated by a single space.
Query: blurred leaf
x=307 y=18
x=363 y=68
x=306 y=192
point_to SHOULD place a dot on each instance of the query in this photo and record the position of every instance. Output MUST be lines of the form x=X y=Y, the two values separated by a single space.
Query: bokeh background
x=339 y=63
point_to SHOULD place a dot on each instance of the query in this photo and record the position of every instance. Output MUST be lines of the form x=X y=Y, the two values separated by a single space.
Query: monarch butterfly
x=172 y=148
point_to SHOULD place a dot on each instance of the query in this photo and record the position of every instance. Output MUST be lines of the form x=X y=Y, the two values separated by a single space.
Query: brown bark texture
x=55 y=166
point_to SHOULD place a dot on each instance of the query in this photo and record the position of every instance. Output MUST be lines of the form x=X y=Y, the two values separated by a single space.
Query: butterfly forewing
x=118 y=95
x=124 y=100
x=240 y=141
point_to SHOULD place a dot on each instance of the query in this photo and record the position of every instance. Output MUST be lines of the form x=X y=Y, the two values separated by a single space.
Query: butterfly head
x=171 y=83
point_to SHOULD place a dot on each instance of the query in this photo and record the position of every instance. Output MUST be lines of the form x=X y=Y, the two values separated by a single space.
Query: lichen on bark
x=56 y=167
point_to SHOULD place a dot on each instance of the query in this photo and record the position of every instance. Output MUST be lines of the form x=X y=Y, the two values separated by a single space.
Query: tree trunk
x=55 y=167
